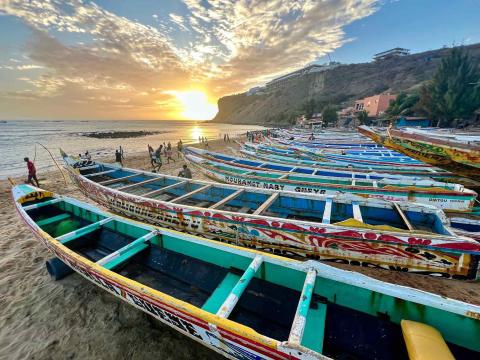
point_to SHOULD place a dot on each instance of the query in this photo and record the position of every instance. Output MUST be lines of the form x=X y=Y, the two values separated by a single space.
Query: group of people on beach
x=166 y=150
x=257 y=136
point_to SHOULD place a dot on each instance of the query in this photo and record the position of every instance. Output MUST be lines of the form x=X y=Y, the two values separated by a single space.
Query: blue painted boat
x=346 y=229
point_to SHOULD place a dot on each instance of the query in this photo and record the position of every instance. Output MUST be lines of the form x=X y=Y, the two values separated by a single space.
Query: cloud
x=225 y=46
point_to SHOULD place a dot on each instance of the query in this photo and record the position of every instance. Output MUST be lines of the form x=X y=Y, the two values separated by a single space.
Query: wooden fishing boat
x=339 y=157
x=346 y=229
x=345 y=177
x=389 y=172
x=460 y=199
x=267 y=152
x=458 y=156
x=242 y=303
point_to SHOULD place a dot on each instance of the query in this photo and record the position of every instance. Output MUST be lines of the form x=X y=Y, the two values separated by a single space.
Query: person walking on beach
x=118 y=157
x=158 y=159
x=185 y=172
x=224 y=137
x=32 y=172
x=151 y=155
x=169 y=154
x=206 y=143
x=179 y=148
x=228 y=138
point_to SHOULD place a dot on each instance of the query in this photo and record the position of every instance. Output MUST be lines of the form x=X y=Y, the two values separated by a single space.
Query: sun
x=195 y=105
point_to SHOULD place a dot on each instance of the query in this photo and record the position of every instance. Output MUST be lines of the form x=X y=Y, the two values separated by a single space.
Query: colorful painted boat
x=339 y=157
x=346 y=229
x=263 y=152
x=458 y=156
x=444 y=198
x=346 y=177
x=242 y=303
x=387 y=172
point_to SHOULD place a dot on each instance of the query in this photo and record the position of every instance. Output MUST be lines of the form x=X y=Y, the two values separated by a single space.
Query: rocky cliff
x=340 y=86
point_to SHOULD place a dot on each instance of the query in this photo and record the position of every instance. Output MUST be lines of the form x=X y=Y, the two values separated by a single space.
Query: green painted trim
x=53 y=219
x=314 y=333
x=219 y=295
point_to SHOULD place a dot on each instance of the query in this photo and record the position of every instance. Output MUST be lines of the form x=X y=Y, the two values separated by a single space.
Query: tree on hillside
x=329 y=115
x=403 y=105
x=363 y=118
x=454 y=91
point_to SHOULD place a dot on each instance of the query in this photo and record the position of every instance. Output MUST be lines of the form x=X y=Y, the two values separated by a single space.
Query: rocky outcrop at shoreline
x=120 y=134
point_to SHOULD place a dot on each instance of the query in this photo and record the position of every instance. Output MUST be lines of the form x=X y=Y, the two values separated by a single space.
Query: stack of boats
x=333 y=197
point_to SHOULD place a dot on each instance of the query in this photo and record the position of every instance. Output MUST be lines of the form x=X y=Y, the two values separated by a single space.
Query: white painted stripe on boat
x=100 y=173
x=199 y=190
x=118 y=252
x=93 y=226
x=300 y=319
x=328 y=211
x=374 y=183
x=266 y=204
x=357 y=213
x=284 y=176
x=46 y=203
x=353 y=182
x=159 y=191
x=122 y=188
x=295 y=168
x=113 y=181
x=227 y=199
x=237 y=291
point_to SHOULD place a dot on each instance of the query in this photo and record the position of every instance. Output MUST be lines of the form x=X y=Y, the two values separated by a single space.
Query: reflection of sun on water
x=196 y=132
x=195 y=105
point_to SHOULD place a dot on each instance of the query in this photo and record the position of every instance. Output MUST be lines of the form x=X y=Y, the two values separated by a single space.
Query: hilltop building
x=374 y=105
x=384 y=55
x=285 y=80
x=257 y=90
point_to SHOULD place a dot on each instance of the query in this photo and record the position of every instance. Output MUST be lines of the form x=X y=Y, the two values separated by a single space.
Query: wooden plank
x=266 y=204
x=89 y=167
x=237 y=291
x=53 y=219
x=403 y=216
x=244 y=209
x=77 y=233
x=327 y=212
x=295 y=168
x=159 y=191
x=357 y=213
x=100 y=173
x=187 y=195
x=118 y=257
x=113 y=181
x=300 y=319
x=227 y=199
x=123 y=188
x=42 y=204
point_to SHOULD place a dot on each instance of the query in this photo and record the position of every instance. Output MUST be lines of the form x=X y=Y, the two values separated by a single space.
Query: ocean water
x=19 y=139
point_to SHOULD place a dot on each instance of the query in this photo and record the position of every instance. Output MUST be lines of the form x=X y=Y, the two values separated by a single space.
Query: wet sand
x=74 y=319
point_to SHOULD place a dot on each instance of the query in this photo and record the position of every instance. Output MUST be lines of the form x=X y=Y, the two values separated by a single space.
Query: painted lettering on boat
x=196 y=331
x=309 y=190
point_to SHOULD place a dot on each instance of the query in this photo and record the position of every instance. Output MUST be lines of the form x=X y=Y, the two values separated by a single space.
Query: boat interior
x=342 y=321
x=251 y=201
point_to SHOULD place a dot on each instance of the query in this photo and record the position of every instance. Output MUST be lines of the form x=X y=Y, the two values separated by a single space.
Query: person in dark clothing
x=32 y=172
x=185 y=173
x=118 y=157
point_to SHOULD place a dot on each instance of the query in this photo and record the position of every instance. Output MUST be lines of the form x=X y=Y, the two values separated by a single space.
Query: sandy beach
x=73 y=319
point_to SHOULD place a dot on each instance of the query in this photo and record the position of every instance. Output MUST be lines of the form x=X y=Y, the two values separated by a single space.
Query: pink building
x=375 y=105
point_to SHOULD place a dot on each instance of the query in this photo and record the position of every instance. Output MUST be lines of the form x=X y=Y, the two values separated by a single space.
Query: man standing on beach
x=32 y=172
x=179 y=147
x=185 y=173
x=118 y=157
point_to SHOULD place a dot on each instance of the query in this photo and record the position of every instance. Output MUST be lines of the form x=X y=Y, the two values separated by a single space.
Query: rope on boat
x=55 y=162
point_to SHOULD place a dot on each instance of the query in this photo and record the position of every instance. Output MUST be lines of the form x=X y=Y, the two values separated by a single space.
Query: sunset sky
x=167 y=59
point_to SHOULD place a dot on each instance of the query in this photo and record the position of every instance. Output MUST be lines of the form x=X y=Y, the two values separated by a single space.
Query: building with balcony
x=384 y=55
x=374 y=105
